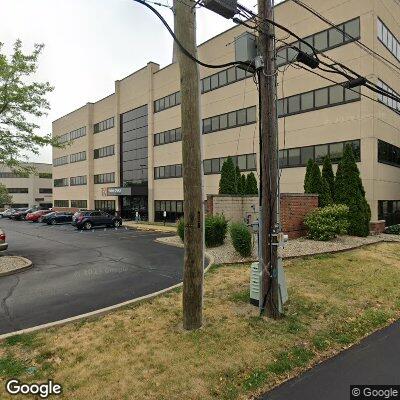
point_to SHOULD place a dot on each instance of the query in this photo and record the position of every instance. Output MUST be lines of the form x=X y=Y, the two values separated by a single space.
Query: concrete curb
x=102 y=311
x=152 y=228
x=29 y=265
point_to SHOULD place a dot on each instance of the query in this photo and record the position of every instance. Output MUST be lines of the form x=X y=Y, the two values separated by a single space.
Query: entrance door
x=131 y=204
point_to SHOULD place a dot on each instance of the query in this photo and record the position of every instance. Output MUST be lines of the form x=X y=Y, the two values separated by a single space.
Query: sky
x=91 y=43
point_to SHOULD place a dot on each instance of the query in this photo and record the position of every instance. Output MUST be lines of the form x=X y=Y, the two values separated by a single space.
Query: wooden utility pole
x=185 y=30
x=269 y=193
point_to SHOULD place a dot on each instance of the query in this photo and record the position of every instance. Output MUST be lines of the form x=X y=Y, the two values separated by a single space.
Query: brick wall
x=294 y=207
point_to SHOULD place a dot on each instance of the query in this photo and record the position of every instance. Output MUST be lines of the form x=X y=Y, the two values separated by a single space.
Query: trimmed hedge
x=328 y=222
x=215 y=227
x=393 y=230
x=241 y=238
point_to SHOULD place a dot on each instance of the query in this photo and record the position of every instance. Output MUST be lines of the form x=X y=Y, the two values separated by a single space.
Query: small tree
x=349 y=190
x=227 y=182
x=5 y=197
x=314 y=183
x=310 y=164
x=327 y=173
x=239 y=182
x=242 y=184
x=251 y=184
x=325 y=198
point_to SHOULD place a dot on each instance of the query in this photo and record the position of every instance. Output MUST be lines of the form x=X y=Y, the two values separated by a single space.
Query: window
x=60 y=161
x=389 y=40
x=77 y=180
x=61 y=203
x=13 y=175
x=79 y=203
x=321 y=97
x=168 y=171
x=294 y=104
x=166 y=102
x=45 y=175
x=388 y=154
x=389 y=210
x=104 y=152
x=103 y=125
x=388 y=101
x=77 y=157
x=61 y=182
x=245 y=162
x=174 y=209
x=298 y=157
x=105 y=205
x=104 y=178
x=336 y=94
x=45 y=190
x=77 y=133
x=322 y=41
x=17 y=190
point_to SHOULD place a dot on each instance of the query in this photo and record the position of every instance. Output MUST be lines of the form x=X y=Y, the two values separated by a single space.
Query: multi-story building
x=125 y=150
x=28 y=190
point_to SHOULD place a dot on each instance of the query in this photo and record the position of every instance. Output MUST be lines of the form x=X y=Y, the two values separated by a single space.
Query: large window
x=45 y=190
x=104 y=152
x=173 y=209
x=78 y=180
x=81 y=156
x=387 y=101
x=105 y=178
x=321 y=41
x=45 y=175
x=173 y=135
x=316 y=99
x=389 y=210
x=77 y=133
x=388 y=154
x=61 y=203
x=60 y=161
x=61 y=182
x=104 y=205
x=299 y=156
x=79 y=203
x=103 y=125
x=245 y=162
x=13 y=175
x=168 y=171
x=17 y=190
x=388 y=39
x=166 y=102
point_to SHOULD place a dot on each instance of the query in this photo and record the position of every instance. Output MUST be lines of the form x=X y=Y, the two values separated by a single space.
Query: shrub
x=349 y=190
x=241 y=238
x=251 y=184
x=328 y=222
x=181 y=229
x=393 y=230
x=228 y=180
x=215 y=230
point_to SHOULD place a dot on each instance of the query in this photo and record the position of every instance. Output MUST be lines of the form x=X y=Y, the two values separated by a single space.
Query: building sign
x=119 y=191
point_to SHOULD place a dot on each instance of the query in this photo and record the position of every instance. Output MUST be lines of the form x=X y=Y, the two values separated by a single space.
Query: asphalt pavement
x=76 y=272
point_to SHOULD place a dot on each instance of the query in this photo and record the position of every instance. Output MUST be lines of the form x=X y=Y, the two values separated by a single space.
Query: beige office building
x=125 y=149
x=29 y=190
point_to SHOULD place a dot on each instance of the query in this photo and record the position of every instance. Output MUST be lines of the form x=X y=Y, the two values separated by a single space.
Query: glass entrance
x=131 y=204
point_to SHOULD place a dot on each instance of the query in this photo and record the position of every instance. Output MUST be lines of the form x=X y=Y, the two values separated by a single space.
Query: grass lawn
x=141 y=352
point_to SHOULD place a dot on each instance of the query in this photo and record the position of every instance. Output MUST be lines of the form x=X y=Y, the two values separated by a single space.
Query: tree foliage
x=349 y=190
x=251 y=185
x=239 y=182
x=327 y=173
x=5 y=197
x=315 y=183
x=310 y=165
x=228 y=180
x=21 y=101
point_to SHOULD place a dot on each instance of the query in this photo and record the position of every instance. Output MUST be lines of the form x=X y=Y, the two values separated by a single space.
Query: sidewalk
x=149 y=227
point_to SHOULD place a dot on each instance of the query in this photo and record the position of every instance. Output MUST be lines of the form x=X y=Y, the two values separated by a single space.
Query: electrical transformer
x=225 y=8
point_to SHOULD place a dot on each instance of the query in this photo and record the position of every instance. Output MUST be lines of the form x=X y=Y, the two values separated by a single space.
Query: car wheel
x=87 y=225
x=53 y=221
x=117 y=223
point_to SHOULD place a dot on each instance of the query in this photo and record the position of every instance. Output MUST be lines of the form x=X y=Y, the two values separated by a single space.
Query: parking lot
x=77 y=272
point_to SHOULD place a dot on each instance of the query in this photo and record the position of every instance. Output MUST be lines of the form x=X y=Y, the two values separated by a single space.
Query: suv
x=88 y=219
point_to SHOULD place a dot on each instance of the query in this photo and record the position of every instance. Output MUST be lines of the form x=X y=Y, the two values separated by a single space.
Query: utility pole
x=193 y=274
x=269 y=187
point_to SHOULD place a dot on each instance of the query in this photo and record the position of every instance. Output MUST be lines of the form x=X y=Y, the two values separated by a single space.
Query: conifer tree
x=240 y=189
x=243 y=184
x=327 y=173
x=307 y=176
x=251 y=184
x=325 y=197
x=227 y=183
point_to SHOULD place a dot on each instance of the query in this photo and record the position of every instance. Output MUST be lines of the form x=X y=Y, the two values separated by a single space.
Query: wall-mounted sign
x=119 y=191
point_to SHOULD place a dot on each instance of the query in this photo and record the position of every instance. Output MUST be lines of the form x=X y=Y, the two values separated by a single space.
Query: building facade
x=29 y=190
x=124 y=151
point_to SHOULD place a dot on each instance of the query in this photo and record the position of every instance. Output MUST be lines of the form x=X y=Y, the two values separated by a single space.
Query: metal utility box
x=245 y=49
x=225 y=8
x=255 y=279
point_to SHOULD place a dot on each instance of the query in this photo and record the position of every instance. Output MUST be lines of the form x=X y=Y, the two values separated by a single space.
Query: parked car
x=3 y=243
x=44 y=218
x=88 y=219
x=34 y=216
x=7 y=213
x=58 y=217
x=20 y=213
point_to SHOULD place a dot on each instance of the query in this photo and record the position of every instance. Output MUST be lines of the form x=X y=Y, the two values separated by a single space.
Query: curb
x=29 y=265
x=149 y=229
x=103 y=311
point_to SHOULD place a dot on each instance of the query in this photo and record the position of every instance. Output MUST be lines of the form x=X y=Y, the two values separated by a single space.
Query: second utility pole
x=269 y=192
x=185 y=30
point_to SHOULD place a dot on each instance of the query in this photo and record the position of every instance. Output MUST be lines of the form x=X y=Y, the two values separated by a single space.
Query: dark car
x=20 y=213
x=88 y=219
x=59 y=217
